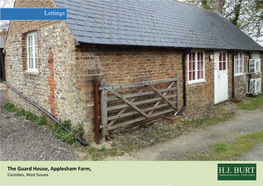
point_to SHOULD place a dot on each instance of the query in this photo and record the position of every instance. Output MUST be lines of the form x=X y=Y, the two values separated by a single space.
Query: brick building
x=54 y=63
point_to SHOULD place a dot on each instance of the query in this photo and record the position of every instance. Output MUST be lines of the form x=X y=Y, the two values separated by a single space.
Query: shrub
x=68 y=137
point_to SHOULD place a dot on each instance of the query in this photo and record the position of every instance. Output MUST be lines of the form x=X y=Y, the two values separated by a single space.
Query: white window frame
x=240 y=55
x=256 y=57
x=196 y=69
x=34 y=56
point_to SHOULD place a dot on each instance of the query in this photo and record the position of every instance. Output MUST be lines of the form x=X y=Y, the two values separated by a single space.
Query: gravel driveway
x=23 y=140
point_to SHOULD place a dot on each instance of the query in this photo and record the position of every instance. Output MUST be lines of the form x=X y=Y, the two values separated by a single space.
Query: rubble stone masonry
x=54 y=88
x=64 y=84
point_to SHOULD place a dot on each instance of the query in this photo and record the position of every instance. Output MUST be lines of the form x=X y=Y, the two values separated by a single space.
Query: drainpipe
x=249 y=75
x=42 y=110
x=46 y=113
x=184 y=83
x=233 y=75
x=2 y=64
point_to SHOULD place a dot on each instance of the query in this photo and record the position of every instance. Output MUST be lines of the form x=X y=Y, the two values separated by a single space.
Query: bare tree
x=244 y=14
x=5 y=4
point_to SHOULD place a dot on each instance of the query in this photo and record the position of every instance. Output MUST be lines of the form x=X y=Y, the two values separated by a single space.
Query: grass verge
x=228 y=151
x=42 y=120
x=252 y=103
x=39 y=120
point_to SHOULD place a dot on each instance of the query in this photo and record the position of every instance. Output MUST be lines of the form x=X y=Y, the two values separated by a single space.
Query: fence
x=126 y=104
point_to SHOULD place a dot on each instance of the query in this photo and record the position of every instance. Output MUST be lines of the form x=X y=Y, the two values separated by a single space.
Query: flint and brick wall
x=55 y=87
x=64 y=85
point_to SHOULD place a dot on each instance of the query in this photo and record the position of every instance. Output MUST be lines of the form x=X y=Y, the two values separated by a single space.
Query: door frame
x=216 y=67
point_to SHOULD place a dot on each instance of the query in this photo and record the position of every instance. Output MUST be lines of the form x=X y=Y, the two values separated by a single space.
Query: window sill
x=236 y=75
x=196 y=82
x=256 y=73
x=35 y=73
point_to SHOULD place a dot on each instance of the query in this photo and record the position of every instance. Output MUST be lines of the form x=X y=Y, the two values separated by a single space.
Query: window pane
x=190 y=75
x=194 y=75
x=224 y=65
x=36 y=52
x=193 y=57
x=224 y=57
x=29 y=40
x=220 y=65
x=29 y=52
x=220 y=57
x=236 y=63
x=190 y=66
x=36 y=63
x=30 y=63
x=241 y=62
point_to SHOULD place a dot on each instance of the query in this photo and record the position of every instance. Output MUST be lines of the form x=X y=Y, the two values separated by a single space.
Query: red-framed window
x=222 y=61
x=196 y=67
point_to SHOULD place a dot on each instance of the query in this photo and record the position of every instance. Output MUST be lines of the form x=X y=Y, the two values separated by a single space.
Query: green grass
x=42 y=120
x=229 y=151
x=220 y=147
x=101 y=153
x=209 y=120
x=39 y=120
x=253 y=103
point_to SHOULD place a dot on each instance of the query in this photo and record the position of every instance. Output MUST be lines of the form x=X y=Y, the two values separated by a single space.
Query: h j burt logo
x=242 y=170
x=237 y=171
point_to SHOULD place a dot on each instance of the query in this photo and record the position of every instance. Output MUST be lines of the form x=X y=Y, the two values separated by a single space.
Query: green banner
x=237 y=172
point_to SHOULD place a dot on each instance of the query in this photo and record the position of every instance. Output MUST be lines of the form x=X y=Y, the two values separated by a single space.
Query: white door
x=221 y=77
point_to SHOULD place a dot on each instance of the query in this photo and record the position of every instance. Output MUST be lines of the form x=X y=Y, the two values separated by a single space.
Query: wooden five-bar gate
x=126 y=104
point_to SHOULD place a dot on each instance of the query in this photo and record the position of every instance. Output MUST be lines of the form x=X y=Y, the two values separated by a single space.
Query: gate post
x=104 y=112
x=96 y=111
